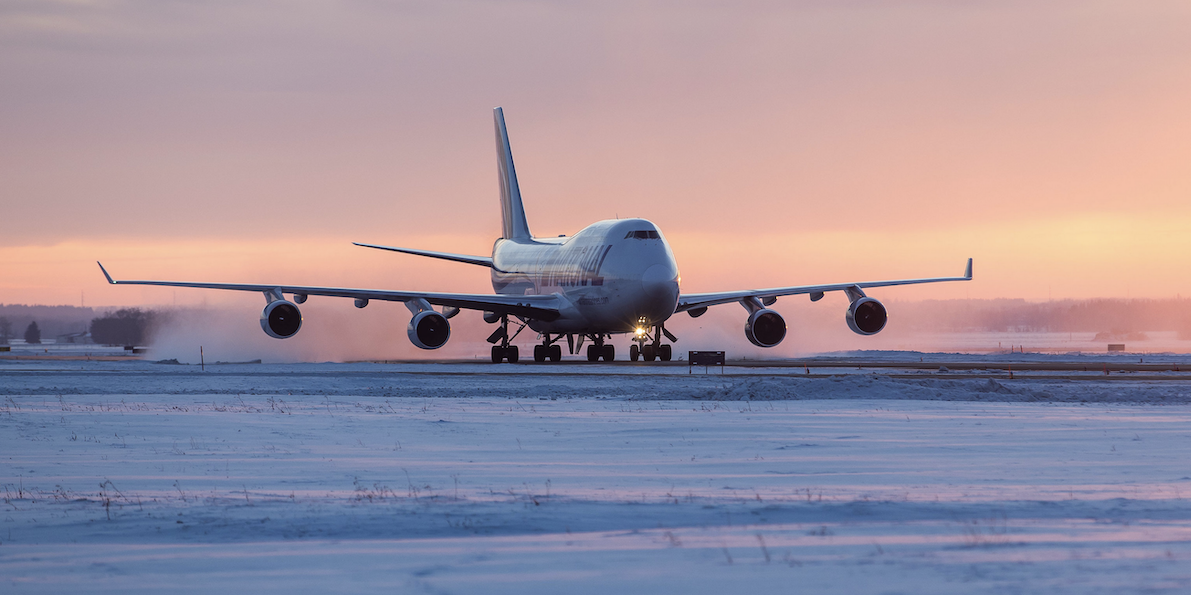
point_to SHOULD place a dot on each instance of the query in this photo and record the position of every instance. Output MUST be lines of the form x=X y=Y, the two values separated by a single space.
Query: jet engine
x=429 y=330
x=281 y=319
x=765 y=328
x=866 y=316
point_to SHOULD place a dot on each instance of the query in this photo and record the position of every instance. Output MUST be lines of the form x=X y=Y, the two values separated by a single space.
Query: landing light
x=640 y=331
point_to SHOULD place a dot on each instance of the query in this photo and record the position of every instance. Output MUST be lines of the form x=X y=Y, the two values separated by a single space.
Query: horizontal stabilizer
x=480 y=260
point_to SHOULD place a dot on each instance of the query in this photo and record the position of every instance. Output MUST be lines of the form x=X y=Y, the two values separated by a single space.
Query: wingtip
x=105 y=273
x=968 y=270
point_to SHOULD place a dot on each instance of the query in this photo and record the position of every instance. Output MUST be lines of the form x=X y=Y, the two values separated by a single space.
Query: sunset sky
x=775 y=143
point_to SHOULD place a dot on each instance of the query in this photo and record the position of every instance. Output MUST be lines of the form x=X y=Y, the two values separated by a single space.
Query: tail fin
x=514 y=225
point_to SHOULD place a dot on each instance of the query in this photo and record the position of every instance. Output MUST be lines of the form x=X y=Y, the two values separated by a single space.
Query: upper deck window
x=643 y=235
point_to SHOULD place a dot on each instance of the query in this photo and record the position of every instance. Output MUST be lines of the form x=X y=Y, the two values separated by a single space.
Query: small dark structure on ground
x=705 y=358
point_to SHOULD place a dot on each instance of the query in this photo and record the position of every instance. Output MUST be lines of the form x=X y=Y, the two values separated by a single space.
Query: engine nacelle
x=281 y=319
x=866 y=316
x=429 y=330
x=765 y=328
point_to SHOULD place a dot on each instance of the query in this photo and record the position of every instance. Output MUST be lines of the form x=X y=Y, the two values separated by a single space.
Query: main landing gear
x=599 y=350
x=648 y=347
x=655 y=350
x=504 y=351
x=500 y=353
x=547 y=350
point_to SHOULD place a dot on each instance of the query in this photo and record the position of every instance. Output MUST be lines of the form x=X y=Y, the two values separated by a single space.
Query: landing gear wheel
x=593 y=353
x=609 y=353
x=500 y=354
x=665 y=352
x=555 y=353
x=648 y=353
x=539 y=353
x=634 y=352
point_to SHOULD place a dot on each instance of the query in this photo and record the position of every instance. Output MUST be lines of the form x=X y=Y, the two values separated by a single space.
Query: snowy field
x=464 y=478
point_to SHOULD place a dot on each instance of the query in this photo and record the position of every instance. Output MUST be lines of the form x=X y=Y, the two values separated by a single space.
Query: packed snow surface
x=465 y=478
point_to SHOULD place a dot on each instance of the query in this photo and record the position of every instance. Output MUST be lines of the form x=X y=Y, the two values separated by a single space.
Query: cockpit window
x=643 y=235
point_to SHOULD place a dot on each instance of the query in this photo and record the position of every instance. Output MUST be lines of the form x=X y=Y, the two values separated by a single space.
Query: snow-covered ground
x=465 y=478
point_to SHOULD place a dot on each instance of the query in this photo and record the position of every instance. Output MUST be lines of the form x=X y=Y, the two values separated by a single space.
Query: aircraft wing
x=542 y=307
x=695 y=301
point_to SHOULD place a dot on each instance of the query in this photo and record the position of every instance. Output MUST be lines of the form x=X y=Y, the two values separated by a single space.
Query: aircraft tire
x=609 y=353
x=512 y=354
x=665 y=353
x=497 y=354
x=648 y=353
x=634 y=352
x=556 y=353
x=593 y=354
x=539 y=353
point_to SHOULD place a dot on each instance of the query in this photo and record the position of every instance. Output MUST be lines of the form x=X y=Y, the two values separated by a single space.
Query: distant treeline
x=52 y=320
x=129 y=326
x=1117 y=316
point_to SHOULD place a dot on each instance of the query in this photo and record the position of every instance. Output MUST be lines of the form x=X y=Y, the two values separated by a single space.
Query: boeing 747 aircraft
x=612 y=277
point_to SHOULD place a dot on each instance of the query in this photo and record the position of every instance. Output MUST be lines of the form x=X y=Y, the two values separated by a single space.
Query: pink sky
x=775 y=143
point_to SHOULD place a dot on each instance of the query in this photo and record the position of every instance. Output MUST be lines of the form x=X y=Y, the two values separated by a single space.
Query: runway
x=475 y=478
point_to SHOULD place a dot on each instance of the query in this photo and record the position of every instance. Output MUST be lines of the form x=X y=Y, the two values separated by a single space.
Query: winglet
x=105 y=272
x=968 y=271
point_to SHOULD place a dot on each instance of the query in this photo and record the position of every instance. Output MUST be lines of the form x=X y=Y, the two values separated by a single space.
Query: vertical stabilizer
x=514 y=225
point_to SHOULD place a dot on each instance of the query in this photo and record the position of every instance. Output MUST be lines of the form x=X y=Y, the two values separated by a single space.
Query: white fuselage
x=614 y=276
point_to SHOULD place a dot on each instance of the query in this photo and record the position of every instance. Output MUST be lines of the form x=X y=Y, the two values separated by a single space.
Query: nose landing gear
x=650 y=352
x=655 y=350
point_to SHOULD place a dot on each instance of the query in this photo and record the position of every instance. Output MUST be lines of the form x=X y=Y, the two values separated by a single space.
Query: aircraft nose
x=660 y=282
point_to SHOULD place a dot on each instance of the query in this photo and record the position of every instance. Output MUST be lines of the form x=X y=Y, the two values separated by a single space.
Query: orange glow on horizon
x=1082 y=257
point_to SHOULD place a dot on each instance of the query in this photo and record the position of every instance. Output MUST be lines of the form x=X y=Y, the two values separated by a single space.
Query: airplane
x=617 y=276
